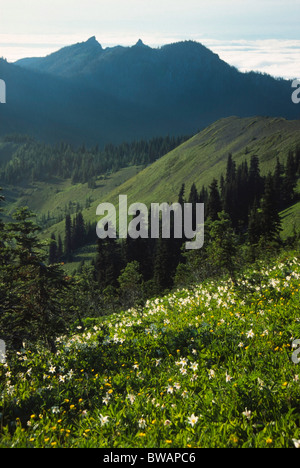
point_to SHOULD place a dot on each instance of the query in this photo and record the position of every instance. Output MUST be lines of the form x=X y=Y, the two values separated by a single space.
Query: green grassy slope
x=52 y=197
x=204 y=156
x=209 y=367
x=290 y=220
x=198 y=160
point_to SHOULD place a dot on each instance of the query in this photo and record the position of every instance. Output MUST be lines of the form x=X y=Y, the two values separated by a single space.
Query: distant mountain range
x=86 y=94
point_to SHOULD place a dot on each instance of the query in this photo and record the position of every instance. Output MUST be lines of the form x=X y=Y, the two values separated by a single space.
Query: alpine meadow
x=149 y=236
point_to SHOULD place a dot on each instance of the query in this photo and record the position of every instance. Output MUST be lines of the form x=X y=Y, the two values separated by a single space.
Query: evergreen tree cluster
x=78 y=233
x=31 y=292
x=242 y=208
x=36 y=161
x=154 y=262
x=244 y=191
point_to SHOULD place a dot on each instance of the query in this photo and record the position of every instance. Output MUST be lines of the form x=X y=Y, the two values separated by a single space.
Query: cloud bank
x=277 y=57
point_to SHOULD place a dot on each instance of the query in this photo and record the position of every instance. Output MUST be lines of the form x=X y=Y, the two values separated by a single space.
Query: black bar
x=139 y=457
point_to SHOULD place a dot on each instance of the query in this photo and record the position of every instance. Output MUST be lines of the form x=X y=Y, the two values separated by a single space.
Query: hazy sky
x=251 y=34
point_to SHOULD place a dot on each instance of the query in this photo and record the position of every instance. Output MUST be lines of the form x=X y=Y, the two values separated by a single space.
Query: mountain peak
x=140 y=44
x=92 y=41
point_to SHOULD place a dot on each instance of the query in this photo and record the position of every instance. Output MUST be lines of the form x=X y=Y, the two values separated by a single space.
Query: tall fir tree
x=60 y=250
x=242 y=197
x=181 y=194
x=193 y=199
x=214 y=201
x=68 y=237
x=290 y=180
x=162 y=277
x=109 y=262
x=78 y=231
x=270 y=218
x=256 y=182
x=30 y=304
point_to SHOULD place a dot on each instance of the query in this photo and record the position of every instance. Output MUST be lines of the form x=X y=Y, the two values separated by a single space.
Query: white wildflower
x=192 y=420
x=142 y=423
x=296 y=443
x=131 y=398
x=228 y=378
x=247 y=413
x=103 y=419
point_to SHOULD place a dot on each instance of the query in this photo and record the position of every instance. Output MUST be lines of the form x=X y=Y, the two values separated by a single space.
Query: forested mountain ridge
x=87 y=94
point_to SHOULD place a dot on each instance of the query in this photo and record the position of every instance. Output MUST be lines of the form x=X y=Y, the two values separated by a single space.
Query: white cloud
x=280 y=58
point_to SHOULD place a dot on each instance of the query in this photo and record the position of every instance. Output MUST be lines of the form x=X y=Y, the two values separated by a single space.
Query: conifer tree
x=108 y=262
x=242 y=197
x=162 y=277
x=290 y=180
x=30 y=301
x=256 y=183
x=203 y=195
x=68 y=237
x=78 y=232
x=214 y=201
x=222 y=249
x=181 y=195
x=53 y=250
x=131 y=284
x=270 y=219
x=59 y=248
x=193 y=196
x=193 y=199
x=230 y=170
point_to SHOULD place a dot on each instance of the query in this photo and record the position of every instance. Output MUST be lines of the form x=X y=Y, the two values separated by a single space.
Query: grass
x=290 y=220
x=204 y=157
x=198 y=160
x=54 y=196
x=204 y=367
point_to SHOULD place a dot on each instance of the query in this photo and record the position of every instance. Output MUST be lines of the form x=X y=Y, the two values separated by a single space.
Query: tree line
x=36 y=161
x=241 y=220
